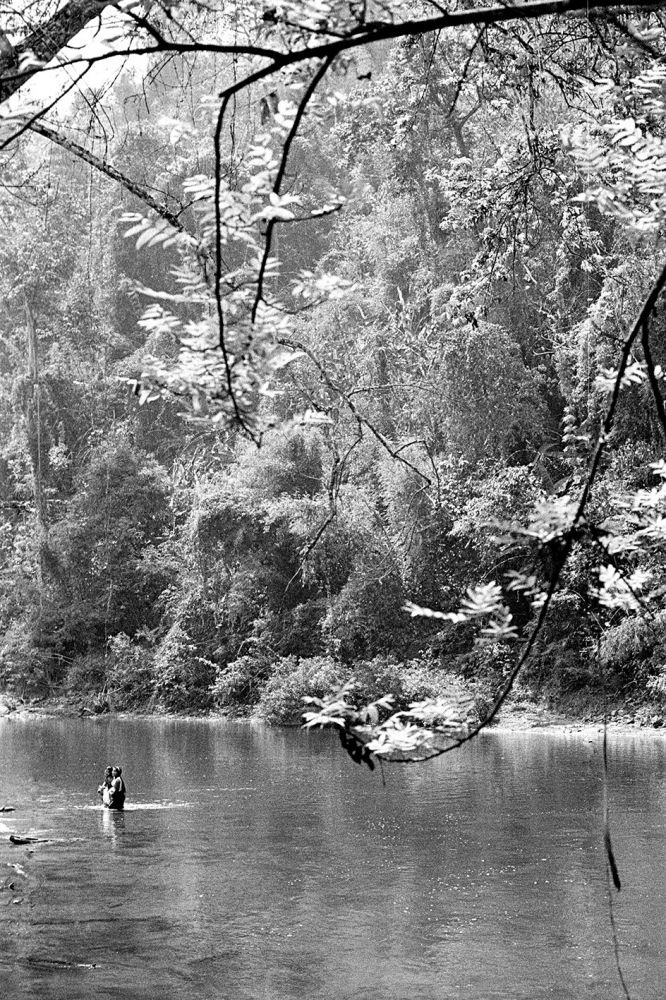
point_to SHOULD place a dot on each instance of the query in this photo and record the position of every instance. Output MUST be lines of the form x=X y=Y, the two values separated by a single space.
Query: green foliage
x=182 y=677
x=27 y=670
x=292 y=679
x=404 y=286
x=238 y=685
x=491 y=400
x=565 y=660
x=366 y=616
x=415 y=680
x=633 y=653
x=102 y=582
x=87 y=674
x=389 y=725
x=129 y=673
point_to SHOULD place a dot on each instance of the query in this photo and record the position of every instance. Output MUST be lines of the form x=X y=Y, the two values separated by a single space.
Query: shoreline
x=519 y=717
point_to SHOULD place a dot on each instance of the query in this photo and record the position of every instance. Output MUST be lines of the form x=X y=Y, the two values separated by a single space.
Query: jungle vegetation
x=331 y=346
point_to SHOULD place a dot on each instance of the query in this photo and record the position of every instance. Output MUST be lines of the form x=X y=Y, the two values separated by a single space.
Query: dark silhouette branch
x=644 y=314
x=47 y=40
x=277 y=184
x=226 y=360
x=379 y=31
x=43 y=43
x=652 y=378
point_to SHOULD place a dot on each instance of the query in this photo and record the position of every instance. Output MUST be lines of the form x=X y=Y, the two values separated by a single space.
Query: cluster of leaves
x=375 y=729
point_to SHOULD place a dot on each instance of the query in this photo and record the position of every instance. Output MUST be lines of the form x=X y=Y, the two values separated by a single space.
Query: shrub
x=489 y=662
x=87 y=673
x=129 y=672
x=564 y=658
x=634 y=651
x=238 y=684
x=377 y=677
x=182 y=678
x=412 y=681
x=294 y=678
x=424 y=678
x=656 y=686
x=27 y=670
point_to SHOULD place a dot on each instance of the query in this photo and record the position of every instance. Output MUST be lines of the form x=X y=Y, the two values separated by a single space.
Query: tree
x=104 y=580
x=230 y=314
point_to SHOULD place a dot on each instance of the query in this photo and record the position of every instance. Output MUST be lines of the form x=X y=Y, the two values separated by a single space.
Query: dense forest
x=443 y=412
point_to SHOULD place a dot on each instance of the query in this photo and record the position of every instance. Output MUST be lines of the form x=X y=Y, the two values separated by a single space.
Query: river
x=259 y=864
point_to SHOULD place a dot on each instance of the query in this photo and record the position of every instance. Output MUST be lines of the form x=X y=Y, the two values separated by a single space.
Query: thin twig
x=360 y=419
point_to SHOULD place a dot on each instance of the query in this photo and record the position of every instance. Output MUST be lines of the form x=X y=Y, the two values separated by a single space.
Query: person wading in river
x=117 y=790
x=105 y=788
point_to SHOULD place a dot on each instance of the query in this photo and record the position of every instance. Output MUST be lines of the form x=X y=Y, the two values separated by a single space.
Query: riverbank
x=516 y=715
x=517 y=718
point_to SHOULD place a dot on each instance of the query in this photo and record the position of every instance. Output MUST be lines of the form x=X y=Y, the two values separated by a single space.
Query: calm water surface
x=254 y=864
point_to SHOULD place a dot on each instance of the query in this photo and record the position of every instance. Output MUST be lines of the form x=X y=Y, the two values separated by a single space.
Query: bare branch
x=643 y=316
x=100 y=164
x=360 y=419
x=27 y=123
x=228 y=374
x=378 y=31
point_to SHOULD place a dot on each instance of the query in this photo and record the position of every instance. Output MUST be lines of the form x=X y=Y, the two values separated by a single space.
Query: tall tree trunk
x=34 y=435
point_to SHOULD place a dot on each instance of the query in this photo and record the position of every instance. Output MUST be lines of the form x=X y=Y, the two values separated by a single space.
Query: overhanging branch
x=44 y=43
x=47 y=40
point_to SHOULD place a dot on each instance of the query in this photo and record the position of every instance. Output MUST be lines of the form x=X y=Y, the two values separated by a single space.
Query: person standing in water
x=105 y=788
x=117 y=790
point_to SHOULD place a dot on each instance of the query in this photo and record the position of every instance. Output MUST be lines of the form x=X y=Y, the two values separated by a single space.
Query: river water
x=258 y=864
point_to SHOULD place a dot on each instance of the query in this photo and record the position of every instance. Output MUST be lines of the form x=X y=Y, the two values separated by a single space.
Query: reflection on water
x=252 y=864
x=113 y=823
